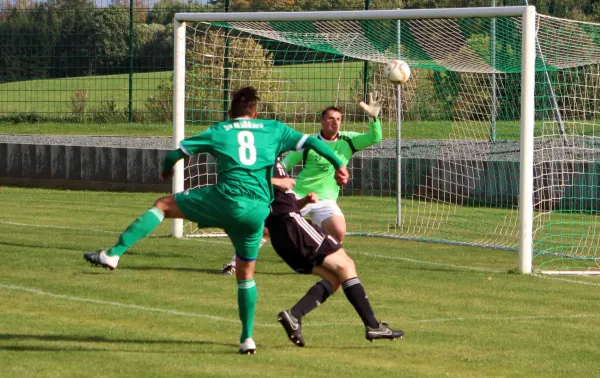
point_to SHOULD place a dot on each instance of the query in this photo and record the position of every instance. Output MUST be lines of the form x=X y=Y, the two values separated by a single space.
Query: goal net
x=449 y=166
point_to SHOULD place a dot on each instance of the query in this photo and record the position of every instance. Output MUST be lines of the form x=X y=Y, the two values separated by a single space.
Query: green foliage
x=110 y=31
x=79 y=103
x=206 y=97
x=108 y=112
x=164 y=11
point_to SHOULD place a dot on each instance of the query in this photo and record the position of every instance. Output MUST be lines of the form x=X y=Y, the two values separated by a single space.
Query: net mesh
x=447 y=168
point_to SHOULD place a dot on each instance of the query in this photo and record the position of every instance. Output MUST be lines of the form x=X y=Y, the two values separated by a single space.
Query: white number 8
x=247 y=150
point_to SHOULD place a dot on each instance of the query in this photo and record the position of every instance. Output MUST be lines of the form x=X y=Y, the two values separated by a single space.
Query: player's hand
x=312 y=197
x=165 y=176
x=374 y=106
x=341 y=176
x=285 y=183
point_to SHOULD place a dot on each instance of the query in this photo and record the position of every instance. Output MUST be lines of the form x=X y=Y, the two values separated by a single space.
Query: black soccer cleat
x=383 y=332
x=292 y=326
x=101 y=258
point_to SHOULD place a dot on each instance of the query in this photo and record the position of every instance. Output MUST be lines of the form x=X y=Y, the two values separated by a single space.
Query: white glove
x=374 y=106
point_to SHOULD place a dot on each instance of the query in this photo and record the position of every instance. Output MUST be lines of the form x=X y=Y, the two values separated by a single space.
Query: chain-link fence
x=111 y=61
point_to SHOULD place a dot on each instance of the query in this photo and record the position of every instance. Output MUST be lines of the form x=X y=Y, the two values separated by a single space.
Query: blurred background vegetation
x=111 y=61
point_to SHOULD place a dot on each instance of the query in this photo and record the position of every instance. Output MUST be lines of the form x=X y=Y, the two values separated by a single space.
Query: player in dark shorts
x=308 y=249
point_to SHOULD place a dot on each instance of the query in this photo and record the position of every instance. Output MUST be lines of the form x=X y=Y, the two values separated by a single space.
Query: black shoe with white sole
x=383 y=332
x=292 y=326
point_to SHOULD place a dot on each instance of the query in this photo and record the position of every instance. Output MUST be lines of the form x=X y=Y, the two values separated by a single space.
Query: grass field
x=167 y=312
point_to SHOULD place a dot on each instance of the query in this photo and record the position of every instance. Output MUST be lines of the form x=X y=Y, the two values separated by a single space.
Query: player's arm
x=291 y=160
x=321 y=148
x=285 y=183
x=188 y=147
x=362 y=141
x=311 y=197
x=341 y=173
x=169 y=161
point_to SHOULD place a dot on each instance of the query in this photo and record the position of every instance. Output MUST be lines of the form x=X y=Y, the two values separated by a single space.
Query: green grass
x=167 y=312
x=410 y=130
x=54 y=95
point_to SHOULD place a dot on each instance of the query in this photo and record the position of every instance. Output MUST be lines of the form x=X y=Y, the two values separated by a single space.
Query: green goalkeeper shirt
x=317 y=174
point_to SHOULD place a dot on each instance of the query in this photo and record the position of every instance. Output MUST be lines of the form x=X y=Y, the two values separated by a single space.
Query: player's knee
x=162 y=203
x=335 y=285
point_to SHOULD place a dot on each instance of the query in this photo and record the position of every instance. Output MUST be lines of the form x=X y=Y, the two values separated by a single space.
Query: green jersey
x=317 y=174
x=246 y=150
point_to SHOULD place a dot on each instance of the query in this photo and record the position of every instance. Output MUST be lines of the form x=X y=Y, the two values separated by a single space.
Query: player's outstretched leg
x=140 y=228
x=342 y=265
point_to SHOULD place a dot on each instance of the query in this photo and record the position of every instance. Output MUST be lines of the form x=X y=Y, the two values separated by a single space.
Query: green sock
x=140 y=228
x=247 y=294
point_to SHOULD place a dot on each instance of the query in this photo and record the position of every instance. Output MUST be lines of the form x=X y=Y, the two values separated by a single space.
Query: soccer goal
x=492 y=142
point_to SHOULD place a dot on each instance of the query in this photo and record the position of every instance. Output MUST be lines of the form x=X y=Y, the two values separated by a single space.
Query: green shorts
x=242 y=218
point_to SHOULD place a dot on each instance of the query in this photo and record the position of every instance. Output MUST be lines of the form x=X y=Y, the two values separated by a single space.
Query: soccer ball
x=397 y=72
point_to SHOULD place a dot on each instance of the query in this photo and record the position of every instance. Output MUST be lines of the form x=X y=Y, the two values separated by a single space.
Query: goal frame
x=528 y=20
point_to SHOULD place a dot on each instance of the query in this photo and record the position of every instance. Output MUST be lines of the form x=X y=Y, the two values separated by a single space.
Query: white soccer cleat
x=101 y=258
x=248 y=347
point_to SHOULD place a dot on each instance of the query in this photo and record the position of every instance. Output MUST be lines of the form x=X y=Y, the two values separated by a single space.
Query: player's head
x=331 y=120
x=244 y=103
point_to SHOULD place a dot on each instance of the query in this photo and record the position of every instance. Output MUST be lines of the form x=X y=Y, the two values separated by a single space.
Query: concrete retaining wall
x=559 y=185
x=79 y=167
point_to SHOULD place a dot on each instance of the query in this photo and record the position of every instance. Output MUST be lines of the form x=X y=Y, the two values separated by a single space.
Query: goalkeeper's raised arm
x=317 y=175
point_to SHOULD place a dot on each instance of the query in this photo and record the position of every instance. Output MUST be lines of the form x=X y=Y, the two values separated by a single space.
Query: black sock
x=356 y=295
x=313 y=298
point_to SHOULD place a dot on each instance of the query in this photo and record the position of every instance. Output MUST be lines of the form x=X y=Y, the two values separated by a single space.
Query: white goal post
x=527 y=15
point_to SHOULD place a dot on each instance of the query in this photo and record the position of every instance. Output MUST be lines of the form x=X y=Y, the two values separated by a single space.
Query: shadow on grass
x=197 y=270
x=94 y=339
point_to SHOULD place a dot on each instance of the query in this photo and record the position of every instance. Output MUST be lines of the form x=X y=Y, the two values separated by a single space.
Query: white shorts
x=321 y=210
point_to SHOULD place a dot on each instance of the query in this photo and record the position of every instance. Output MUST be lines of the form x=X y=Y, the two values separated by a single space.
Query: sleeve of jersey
x=362 y=141
x=170 y=159
x=322 y=149
x=197 y=144
x=291 y=160
x=290 y=139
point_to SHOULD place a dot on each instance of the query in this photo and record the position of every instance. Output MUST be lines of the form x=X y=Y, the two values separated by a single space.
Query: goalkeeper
x=317 y=174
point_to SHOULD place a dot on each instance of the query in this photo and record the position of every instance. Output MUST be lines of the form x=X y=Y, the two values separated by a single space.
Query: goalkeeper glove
x=374 y=106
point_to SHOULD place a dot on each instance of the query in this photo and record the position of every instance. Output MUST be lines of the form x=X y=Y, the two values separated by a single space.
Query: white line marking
x=58 y=227
x=274 y=325
x=507 y=318
x=426 y=262
x=131 y=306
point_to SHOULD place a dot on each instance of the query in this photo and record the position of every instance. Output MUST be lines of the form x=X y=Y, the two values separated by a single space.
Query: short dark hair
x=328 y=109
x=244 y=101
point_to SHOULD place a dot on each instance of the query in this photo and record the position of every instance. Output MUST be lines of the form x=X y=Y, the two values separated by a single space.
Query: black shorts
x=299 y=242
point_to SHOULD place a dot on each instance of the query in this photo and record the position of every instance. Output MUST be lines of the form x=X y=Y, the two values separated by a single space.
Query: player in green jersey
x=317 y=174
x=246 y=149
